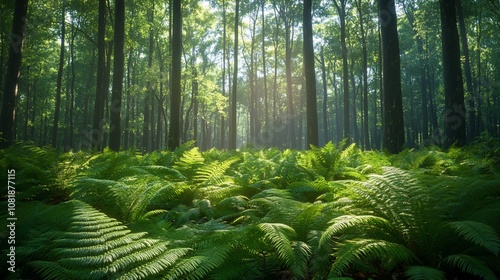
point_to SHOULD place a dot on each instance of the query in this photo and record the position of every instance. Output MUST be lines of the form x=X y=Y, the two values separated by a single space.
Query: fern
x=424 y=273
x=95 y=246
x=471 y=265
x=478 y=233
x=189 y=162
x=214 y=173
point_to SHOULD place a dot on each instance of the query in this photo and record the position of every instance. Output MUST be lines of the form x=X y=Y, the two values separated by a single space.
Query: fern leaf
x=471 y=265
x=478 y=233
x=371 y=250
x=424 y=273
x=189 y=162
x=346 y=222
x=279 y=235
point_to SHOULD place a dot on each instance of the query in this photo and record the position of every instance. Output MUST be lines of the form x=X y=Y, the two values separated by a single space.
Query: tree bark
x=233 y=124
x=97 y=131
x=8 y=114
x=264 y=73
x=174 y=131
x=326 y=134
x=472 y=132
x=364 y=66
x=392 y=104
x=345 y=72
x=454 y=119
x=55 y=125
x=118 y=72
x=312 y=112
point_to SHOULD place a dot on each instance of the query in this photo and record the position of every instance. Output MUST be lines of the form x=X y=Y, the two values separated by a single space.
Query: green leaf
x=424 y=273
x=478 y=233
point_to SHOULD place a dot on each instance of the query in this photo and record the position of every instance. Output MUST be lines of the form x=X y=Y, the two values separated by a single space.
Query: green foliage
x=328 y=213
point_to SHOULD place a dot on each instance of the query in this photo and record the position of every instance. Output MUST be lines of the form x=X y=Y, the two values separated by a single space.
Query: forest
x=270 y=139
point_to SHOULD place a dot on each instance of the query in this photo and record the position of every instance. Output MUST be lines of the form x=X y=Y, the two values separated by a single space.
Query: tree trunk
x=289 y=93
x=312 y=112
x=127 y=113
x=345 y=72
x=364 y=66
x=392 y=104
x=264 y=73
x=59 y=79
x=8 y=115
x=118 y=72
x=28 y=104
x=472 y=132
x=233 y=124
x=97 y=131
x=326 y=134
x=175 y=93
x=222 y=121
x=454 y=119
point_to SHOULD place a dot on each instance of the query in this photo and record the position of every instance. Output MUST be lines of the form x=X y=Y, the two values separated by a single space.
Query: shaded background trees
x=269 y=81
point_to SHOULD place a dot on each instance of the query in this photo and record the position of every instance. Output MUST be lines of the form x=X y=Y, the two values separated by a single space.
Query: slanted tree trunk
x=392 y=104
x=454 y=119
x=118 y=72
x=312 y=112
x=174 y=131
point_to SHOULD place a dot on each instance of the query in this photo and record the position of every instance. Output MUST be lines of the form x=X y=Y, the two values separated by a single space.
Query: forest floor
x=335 y=212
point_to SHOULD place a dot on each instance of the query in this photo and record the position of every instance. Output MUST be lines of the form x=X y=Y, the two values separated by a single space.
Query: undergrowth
x=334 y=212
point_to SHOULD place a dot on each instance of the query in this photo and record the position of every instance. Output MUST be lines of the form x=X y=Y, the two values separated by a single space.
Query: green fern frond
x=471 y=265
x=302 y=252
x=478 y=233
x=155 y=267
x=346 y=222
x=424 y=273
x=95 y=246
x=214 y=173
x=371 y=250
x=189 y=162
x=162 y=172
x=279 y=235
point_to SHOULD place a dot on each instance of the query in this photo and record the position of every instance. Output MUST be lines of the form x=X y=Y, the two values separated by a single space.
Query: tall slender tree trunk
x=174 y=131
x=326 y=134
x=292 y=137
x=364 y=66
x=454 y=119
x=148 y=104
x=224 y=53
x=118 y=72
x=392 y=104
x=345 y=71
x=126 y=137
x=97 y=131
x=233 y=123
x=264 y=72
x=312 y=112
x=28 y=104
x=72 y=89
x=55 y=125
x=472 y=132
